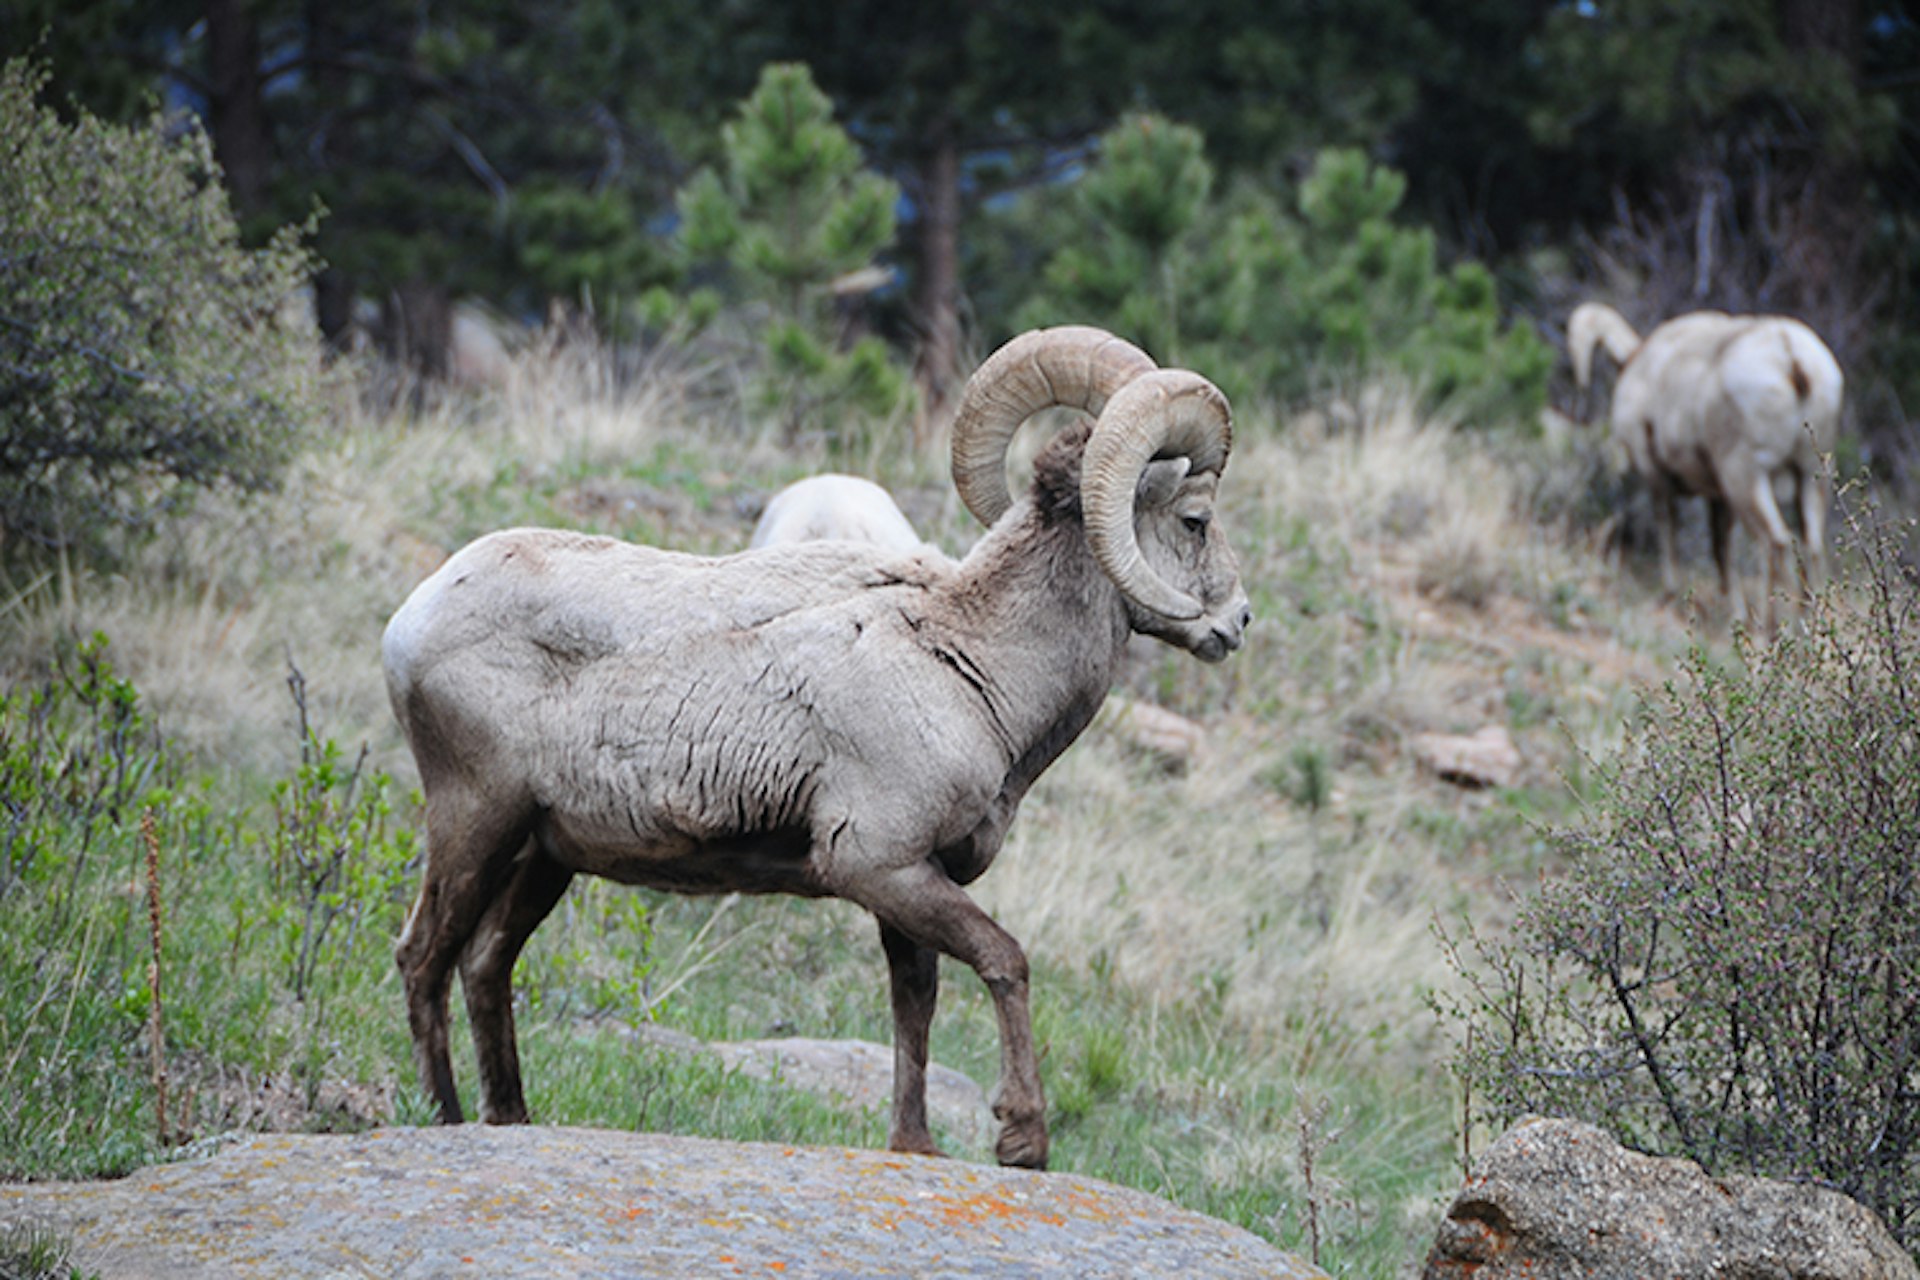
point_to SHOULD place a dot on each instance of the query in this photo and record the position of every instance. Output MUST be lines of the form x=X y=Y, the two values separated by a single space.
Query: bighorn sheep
x=1727 y=407
x=834 y=506
x=821 y=718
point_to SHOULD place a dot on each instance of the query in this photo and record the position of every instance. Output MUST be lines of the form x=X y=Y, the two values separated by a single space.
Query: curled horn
x=1169 y=413
x=1071 y=366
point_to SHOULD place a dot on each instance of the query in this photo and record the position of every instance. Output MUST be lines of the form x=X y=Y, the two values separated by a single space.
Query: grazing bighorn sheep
x=834 y=506
x=820 y=718
x=1726 y=407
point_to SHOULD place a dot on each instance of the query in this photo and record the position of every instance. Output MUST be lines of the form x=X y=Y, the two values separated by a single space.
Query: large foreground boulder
x=528 y=1201
x=1558 y=1199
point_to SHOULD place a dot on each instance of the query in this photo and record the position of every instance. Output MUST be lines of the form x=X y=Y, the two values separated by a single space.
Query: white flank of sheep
x=818 y=718
x=834 y=506
x=1739 y=410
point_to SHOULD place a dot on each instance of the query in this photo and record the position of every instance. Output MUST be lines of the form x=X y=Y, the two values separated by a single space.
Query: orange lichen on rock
x=987 y=1207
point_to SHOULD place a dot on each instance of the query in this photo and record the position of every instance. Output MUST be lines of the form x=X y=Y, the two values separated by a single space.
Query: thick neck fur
x=1033 y=611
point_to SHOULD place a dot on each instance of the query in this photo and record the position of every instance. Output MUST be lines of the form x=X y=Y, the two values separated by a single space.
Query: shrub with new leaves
x=1730 y=968
x=793 y=213
x=144 y=352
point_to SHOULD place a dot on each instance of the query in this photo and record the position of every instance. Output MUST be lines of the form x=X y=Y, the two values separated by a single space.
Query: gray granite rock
x=1558 y=1199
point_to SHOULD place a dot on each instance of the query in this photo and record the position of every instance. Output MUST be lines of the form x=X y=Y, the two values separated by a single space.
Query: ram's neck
x=1040 y=627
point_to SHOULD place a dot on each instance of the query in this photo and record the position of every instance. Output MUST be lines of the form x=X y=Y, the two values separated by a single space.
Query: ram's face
x=1181 y=538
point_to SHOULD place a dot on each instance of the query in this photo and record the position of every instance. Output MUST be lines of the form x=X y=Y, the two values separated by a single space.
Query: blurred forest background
x=1502 y=160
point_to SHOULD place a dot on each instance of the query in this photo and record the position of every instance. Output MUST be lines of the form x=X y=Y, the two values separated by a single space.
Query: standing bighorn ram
x=822 y=718
x=1725 y=407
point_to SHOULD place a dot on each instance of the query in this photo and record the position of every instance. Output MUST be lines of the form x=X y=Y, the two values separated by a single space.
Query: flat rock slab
x=530 y=1201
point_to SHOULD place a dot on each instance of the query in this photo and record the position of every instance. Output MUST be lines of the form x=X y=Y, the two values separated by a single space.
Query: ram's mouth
x=1215 y=646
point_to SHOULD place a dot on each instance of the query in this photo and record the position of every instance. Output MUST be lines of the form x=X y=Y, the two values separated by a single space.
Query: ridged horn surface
x=1170 y=413
x=1070 y=366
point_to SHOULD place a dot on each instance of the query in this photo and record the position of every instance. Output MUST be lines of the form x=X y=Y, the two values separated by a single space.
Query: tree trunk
x=937 y=298
x=333 y=308
x=1835 y=226
x=419 y=326
x=236 y=109
x=334 y=290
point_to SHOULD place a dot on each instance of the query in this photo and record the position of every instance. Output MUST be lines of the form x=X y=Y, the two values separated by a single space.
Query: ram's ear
x=1160 y=481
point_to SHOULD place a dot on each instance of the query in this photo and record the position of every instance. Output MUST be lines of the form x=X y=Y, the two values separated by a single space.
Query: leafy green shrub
x=77 y=756
x=335 y=864
x=1730 y=968
x=1143 y=198
x=794 y=213
x=569 y=243
x=143 y=351
x=1266 y=301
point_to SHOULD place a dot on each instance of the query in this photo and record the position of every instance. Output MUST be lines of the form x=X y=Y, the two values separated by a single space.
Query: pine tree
x=793 y=215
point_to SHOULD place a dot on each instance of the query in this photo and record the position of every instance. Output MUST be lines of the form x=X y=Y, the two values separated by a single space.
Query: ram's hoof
x=1022 y=1146
x=915 y=1145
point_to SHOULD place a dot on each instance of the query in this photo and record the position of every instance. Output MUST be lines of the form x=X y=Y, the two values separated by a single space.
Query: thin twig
x=156 y=1035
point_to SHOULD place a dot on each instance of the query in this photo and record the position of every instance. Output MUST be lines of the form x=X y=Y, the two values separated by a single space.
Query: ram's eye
x=1196 y=525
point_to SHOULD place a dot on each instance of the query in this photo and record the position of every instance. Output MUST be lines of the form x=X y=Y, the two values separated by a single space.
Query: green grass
x=1230 y=965
x=29 y=1252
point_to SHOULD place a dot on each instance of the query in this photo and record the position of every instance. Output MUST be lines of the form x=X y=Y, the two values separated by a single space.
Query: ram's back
x=652 y=704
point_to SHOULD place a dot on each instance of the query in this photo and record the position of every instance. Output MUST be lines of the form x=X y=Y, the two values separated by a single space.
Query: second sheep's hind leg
x=1666 y=520
x=1761 y=514
x=1720 y=524
x=1816 y=496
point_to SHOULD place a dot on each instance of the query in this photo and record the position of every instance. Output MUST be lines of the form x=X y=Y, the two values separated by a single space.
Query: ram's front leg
x=921 y=902
x=1018 y=1103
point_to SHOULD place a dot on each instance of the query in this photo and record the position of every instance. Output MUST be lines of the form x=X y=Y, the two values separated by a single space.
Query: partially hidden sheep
x=833 y=506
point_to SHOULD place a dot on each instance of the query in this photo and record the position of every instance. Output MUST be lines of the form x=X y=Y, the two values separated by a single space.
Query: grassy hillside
x=1233 y=963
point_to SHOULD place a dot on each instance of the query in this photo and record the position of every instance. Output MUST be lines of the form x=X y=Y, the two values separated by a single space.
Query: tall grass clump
x=1729 y=970
x=29 y=1251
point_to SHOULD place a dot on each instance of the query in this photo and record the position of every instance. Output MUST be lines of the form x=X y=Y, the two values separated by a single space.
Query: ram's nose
x=1233 y=625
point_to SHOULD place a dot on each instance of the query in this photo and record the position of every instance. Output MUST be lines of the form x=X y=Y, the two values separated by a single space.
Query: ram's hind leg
x=470 y=850
x=1666 y=519
x=486 y=975
x=914 y=971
